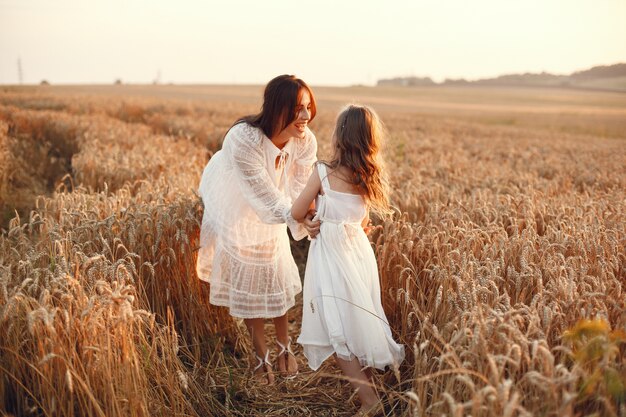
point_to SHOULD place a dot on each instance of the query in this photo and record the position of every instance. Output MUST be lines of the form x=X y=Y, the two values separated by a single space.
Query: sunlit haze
x=324 y=42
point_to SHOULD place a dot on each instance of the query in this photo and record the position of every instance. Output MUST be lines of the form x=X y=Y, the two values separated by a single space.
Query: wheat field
x=503 y=269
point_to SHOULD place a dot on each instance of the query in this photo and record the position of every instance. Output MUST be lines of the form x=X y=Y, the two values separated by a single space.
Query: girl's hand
x=312 y=226
x=369 y=228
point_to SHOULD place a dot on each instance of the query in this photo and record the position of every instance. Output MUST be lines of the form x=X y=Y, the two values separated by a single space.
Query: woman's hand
x=312 y=226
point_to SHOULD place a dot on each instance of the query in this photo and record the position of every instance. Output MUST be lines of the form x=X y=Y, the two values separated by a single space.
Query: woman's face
x=297 y=128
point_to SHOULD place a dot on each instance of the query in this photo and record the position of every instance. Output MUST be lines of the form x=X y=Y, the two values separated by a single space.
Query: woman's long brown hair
x=358 y=136
x=280 y=99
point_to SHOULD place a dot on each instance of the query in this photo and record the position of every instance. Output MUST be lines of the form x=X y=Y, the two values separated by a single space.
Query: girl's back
x=342 y=310
x=339 y=202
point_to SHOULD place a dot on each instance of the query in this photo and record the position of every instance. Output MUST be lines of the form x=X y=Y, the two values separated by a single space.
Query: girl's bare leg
x=359 y=380
x=256 y=328
x=282 y=334
x=370 y=375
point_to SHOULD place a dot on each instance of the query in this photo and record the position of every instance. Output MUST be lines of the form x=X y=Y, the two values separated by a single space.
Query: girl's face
x=296 y=129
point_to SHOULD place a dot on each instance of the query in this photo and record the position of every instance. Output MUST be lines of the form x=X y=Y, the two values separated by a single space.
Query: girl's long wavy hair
x=280 y=100
x=357 y=141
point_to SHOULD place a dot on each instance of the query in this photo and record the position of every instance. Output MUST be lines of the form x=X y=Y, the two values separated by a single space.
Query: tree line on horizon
x=603 y=76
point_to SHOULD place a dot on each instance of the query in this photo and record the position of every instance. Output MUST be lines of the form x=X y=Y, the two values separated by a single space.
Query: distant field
x=503 y=270
x=566 y=110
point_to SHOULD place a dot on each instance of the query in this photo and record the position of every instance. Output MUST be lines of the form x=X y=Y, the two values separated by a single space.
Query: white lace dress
x=342 y=310
x=244 y=247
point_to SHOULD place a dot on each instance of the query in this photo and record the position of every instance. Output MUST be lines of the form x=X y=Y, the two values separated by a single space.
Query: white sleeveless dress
x=342 y=310
x=244 y=247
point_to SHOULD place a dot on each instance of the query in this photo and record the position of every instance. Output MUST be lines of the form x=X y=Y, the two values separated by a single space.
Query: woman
x=247 y=189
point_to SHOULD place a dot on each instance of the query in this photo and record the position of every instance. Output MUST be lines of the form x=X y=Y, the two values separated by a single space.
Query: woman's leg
x=256 y=327
x=359 y=380
x=282 y=334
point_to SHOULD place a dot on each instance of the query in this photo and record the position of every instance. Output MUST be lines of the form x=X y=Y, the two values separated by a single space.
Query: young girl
x=342 y=311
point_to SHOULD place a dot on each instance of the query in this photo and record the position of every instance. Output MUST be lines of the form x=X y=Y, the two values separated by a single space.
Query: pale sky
x=324 y=42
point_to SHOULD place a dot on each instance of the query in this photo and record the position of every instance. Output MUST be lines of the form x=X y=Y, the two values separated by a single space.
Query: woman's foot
x=262 y=372
x=286 y=361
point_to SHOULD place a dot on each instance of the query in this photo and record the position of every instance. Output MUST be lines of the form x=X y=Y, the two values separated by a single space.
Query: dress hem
x=253 y=316
x=363 y=362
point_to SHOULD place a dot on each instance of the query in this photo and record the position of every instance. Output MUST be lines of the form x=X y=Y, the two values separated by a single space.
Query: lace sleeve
x=243 y=144
x=305 y=158
x=306 y=155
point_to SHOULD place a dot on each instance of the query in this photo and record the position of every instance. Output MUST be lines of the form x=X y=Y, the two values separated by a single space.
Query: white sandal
x=264 y=362
x=286 y=350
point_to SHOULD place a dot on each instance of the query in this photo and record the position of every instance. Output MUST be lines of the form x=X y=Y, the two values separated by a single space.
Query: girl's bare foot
x=370 y=410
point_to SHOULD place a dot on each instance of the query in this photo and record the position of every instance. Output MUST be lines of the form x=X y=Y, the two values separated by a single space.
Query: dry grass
x=507 y=234
x=509 y=237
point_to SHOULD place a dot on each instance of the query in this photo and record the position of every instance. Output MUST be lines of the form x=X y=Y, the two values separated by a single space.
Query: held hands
x=312 y=226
